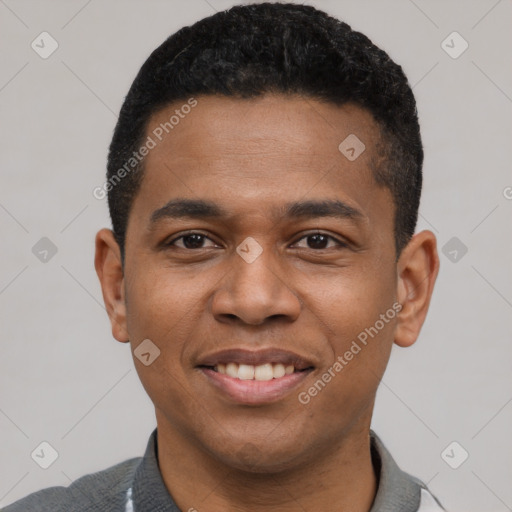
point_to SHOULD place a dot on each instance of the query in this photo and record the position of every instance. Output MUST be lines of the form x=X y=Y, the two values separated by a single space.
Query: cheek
x=357 y=314
x=159 y=309
x=359 y=345
x=352 y=299
x=165 y=309
x=160 y=303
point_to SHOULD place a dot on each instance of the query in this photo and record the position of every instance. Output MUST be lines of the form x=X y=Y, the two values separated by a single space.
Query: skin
x=251 y=157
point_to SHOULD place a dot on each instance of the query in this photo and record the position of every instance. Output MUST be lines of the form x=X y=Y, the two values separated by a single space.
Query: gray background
x=64 y=380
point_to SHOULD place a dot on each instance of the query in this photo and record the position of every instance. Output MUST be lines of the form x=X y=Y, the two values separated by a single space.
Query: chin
x=260 y=457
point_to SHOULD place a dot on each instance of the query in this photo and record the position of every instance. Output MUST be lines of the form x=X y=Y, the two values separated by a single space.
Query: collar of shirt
x=397 y=491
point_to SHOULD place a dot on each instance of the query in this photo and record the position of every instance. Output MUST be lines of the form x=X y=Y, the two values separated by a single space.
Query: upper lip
x=256 y=358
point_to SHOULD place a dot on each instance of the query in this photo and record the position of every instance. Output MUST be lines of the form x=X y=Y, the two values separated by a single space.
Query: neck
x=337 y=478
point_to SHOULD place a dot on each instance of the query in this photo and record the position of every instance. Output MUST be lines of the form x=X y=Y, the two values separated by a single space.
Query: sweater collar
x=397 y=491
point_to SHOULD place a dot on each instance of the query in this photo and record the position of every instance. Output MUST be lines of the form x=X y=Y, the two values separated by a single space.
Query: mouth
x=262 y=372
x=255 y=378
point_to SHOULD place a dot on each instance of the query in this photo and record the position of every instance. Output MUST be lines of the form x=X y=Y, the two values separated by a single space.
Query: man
x=263 y=181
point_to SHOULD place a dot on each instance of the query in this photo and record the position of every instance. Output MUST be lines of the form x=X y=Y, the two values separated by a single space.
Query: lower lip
x=255 y=392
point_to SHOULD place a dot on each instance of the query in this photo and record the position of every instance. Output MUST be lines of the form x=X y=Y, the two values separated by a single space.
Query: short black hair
x=253 y=49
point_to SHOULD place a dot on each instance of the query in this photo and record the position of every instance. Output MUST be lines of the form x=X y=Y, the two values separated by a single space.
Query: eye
x=191 y=241
x=319 y=241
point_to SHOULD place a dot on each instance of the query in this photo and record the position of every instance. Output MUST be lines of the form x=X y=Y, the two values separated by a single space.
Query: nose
x=254 y=293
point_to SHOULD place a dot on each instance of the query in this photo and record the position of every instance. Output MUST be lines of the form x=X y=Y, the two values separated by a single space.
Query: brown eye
x=191 y=241
x=319 y=241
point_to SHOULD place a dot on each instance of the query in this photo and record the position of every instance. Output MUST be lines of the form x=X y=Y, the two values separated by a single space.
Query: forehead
x=272 y=125
x=270 y=150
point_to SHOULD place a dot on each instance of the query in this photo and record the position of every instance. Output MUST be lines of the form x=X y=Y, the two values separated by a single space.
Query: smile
x=255 y=378
x=266 y=371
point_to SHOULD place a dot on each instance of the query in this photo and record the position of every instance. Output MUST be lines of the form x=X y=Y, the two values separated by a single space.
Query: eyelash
x=171 y=243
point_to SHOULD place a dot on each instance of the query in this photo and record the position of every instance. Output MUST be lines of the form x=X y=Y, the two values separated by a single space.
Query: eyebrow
x=202 y=209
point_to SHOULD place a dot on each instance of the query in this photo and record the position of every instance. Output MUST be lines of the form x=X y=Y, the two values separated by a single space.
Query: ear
x=109 y=268
x=418 y=267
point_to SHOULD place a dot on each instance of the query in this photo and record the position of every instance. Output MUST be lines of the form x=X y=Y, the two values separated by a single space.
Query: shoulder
x=428 y=502
x=101 y=491
x=398 y=490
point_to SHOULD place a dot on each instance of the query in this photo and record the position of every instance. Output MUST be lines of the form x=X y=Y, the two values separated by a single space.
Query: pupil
x=193 y=241
x=317 y=241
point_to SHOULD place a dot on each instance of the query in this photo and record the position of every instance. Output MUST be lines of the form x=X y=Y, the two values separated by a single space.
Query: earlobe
x=418 y=267
x=108 y=265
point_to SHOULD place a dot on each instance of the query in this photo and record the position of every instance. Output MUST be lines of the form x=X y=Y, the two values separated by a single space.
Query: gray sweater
x=136 y=485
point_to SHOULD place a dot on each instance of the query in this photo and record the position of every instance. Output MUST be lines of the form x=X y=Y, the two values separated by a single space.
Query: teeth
x=245 y=372
x=263 y=372
x=279 y=371
x=232 y=370
x=266 y=371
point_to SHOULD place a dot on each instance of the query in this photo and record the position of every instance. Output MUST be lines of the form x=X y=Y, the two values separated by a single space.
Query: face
x=260 y=263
